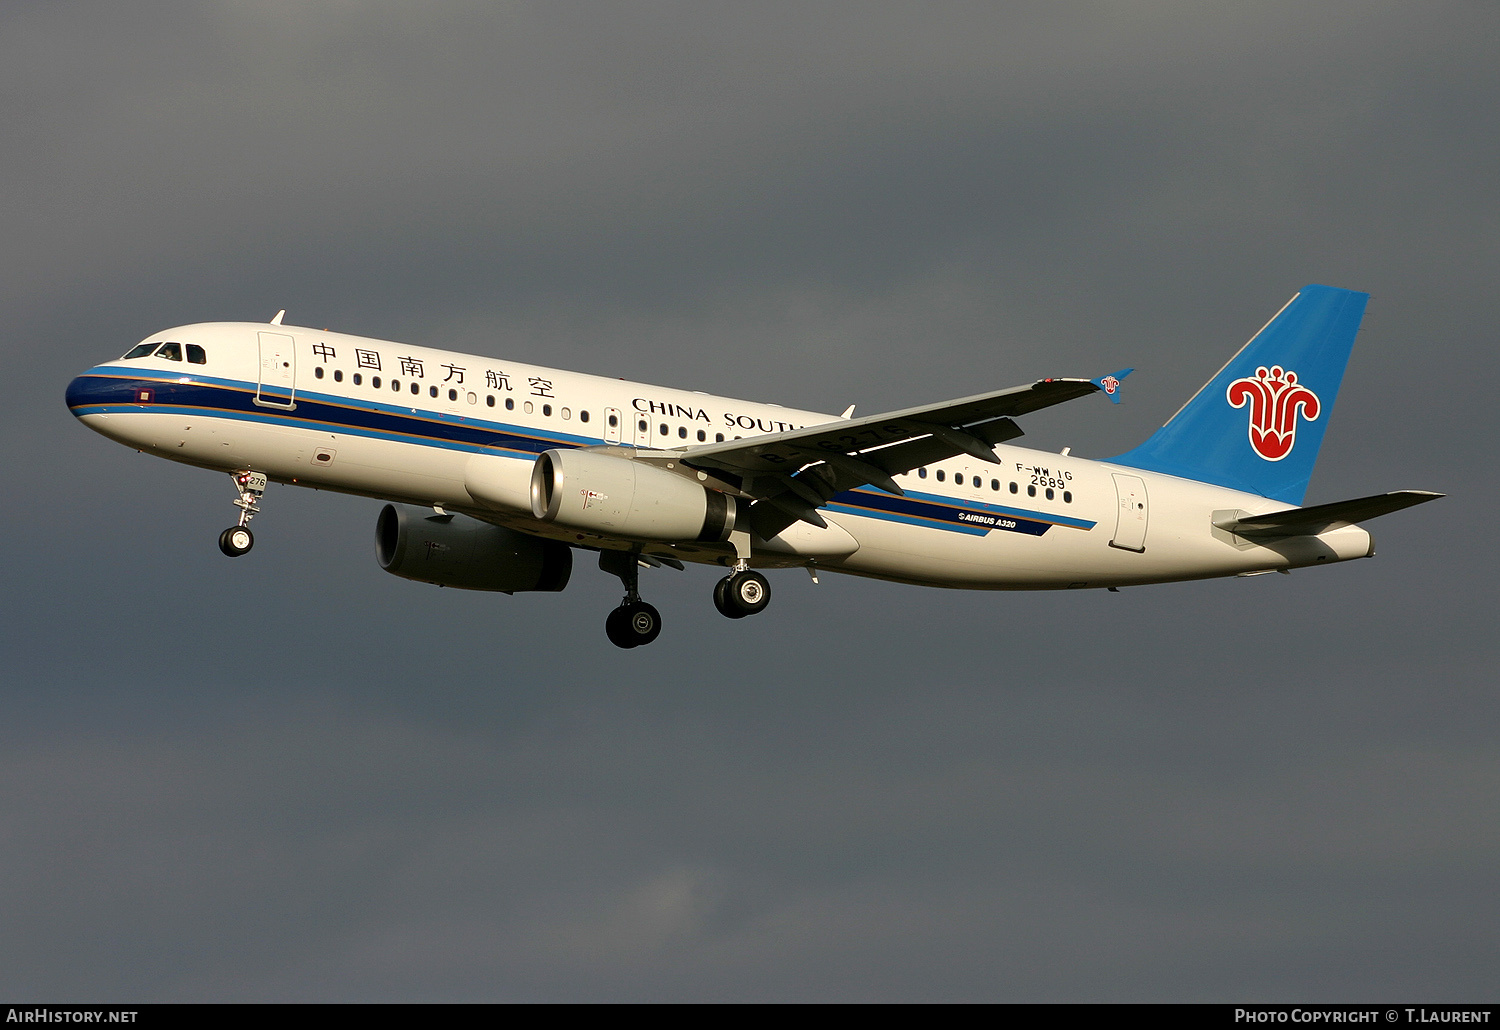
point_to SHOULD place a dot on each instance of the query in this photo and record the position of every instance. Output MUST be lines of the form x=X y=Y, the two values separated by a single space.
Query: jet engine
x=621 y=497
x=457 y=551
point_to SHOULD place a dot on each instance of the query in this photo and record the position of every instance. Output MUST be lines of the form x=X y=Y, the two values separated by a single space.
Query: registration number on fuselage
x=1045 y=477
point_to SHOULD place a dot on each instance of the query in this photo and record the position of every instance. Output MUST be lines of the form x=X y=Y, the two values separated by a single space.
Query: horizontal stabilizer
x=1314 y=520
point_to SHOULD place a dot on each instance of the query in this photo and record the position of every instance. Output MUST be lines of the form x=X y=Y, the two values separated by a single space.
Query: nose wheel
x=741 y=594
x=237 y=539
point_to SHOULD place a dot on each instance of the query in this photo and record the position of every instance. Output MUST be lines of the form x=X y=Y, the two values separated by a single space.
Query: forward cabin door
x=612 y=419
x=1133 y=511
x=642 y=430
x=278 y=371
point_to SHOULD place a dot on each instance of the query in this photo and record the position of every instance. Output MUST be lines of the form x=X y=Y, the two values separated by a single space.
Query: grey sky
x=295 y=777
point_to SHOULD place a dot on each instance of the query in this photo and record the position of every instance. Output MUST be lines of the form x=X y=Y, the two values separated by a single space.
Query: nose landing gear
x=237 y=539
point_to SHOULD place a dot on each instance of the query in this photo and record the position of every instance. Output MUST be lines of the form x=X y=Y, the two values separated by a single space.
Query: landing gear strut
x=634 y=622
x=237 y=539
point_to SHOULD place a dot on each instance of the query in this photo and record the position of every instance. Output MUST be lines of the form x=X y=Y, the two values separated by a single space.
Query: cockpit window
x=140 y=351
x=170 y=351
x=196 y=355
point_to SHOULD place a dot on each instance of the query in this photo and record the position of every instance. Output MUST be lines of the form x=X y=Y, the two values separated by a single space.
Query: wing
x=790 y=475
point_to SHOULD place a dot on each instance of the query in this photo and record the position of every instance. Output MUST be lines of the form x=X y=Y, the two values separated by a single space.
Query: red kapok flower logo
x=1275 y=397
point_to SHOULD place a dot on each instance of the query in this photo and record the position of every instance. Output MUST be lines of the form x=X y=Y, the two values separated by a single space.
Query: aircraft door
x=1132 y=512
x=642 y=430
x=277 y=385
x=612 y=419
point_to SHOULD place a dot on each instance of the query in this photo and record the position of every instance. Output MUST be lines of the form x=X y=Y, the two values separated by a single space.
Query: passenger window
x=170 y=351
x=662 y=429
x=318 y=372
x=994 y=484
x=415 y=388
x=718 y=438
x=1049 y=493
x=702 y=436
x=583 y=416
x=140 y=350
x=432 y=391
x=196 y=355
x=566 y=413
x=1012 y=488
x=547 y=410
x=682 y=432
x=358 y=379
x=338 y=376
x=396 y=385
x=1031 y=491
x=922 y=473
x=375 y=382
x=489 y=398
x=529 y=408
x=1067 y=497
x=614 y=420
x=640 y=427
x=940 y=475
x=453 y=395
x=510 y=404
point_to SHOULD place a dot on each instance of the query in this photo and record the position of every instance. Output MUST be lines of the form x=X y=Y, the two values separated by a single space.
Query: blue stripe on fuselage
x=109 y=390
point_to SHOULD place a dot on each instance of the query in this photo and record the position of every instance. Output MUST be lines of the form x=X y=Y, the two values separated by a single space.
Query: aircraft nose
x=77 y=394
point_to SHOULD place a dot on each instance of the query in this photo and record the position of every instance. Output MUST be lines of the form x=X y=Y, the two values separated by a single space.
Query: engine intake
x=622 y=497
x=457 y=551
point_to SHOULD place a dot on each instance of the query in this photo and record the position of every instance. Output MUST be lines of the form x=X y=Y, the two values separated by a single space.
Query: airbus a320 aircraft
x=498 y=472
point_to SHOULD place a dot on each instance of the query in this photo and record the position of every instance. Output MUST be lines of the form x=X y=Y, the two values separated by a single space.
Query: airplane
x=497 y=472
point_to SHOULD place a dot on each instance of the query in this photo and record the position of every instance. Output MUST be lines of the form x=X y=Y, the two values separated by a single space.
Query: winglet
x=1110 y=385
x=279 y=316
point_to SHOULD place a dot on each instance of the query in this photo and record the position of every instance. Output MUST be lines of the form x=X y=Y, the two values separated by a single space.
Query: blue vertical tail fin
x=1257 y=424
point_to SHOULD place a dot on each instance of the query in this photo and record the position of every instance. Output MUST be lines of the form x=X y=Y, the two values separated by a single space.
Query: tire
x=747 y=592
x=617 y=628
x=721 y=600
x=236 y=540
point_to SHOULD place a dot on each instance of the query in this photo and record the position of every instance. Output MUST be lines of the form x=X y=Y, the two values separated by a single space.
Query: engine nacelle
x=457 y=551
x=621 y=497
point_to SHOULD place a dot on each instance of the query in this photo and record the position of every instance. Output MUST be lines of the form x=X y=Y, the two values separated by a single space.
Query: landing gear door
x=278 y=371
x=1130 y=525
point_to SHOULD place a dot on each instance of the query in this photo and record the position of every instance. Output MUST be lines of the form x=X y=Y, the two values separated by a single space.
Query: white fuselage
x=340 y=412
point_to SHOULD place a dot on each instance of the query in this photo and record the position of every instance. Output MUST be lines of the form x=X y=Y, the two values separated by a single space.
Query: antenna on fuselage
x=277 y=319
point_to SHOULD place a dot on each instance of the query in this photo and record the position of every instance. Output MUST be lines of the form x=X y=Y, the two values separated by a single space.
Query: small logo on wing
x=1275 y=397
x=1110 y=384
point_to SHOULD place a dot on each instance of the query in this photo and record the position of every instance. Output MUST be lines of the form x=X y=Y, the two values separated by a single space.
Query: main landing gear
x=742 y=593
x=237 y=539
x=634 y=622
